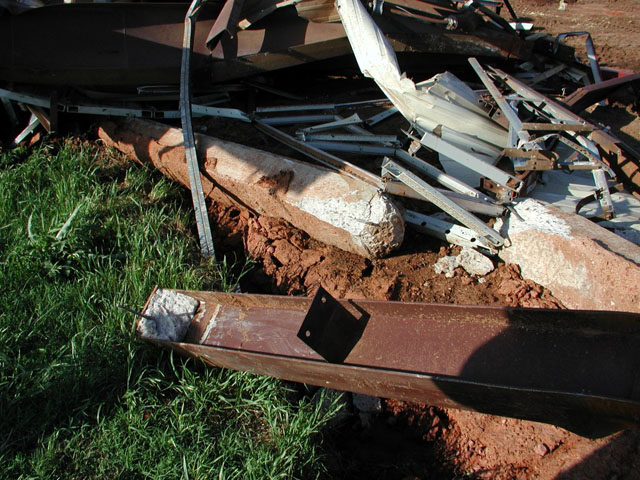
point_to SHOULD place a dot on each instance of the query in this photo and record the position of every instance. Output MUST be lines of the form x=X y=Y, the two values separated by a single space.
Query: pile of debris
x=459 y=165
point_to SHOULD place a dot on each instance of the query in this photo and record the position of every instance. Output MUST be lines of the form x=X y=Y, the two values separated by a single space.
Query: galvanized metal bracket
x=330 y=329
x=439 y=176
x=392 y=170
x=197 y=195
x=591 y=52
x=447 y=231
x=352 y=120
x=28 y=130
x=604 y=195
x=472 y=161
x=507 y=110
x=606 y=203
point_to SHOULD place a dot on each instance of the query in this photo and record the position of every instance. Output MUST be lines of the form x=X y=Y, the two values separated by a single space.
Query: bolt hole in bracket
x=330 y=329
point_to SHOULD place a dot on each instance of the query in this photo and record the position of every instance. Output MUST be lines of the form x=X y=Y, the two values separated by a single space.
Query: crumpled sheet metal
x=377 y=60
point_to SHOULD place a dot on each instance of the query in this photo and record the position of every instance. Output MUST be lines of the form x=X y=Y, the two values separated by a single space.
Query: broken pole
x=581 y=263
x=331 y=207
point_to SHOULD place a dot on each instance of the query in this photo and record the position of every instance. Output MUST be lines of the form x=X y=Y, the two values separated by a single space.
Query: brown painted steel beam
x=101 y=44
x=130 y=44
x=577 y=369
x=591 y=94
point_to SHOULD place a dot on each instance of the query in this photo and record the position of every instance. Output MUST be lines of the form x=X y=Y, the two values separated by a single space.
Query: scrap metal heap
x=469 y=150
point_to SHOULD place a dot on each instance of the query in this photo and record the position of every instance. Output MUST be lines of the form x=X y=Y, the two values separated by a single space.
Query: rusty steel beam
x=131 y=44
x=586 y=96
x=576 y=369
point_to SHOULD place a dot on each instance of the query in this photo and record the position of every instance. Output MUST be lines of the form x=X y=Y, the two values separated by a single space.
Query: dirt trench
x=289 y=262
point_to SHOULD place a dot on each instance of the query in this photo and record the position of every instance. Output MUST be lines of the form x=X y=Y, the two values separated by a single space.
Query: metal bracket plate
x=330 y=329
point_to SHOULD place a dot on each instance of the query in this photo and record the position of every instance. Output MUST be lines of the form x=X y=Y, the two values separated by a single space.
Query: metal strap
x=597 y=195
x=604 y=196
x=199 y=205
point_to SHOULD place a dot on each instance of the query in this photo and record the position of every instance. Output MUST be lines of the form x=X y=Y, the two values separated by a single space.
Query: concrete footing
x=330 y=207
x=583 y=265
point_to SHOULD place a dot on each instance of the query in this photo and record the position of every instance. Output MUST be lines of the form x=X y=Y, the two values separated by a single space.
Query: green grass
x=80 y=395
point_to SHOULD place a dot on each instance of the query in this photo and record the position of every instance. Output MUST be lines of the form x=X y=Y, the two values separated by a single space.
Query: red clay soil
x=289 y=262
x=614 y=26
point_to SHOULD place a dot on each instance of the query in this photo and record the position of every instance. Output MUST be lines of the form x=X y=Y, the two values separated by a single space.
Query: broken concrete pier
x=331 y=207
x=584 y=265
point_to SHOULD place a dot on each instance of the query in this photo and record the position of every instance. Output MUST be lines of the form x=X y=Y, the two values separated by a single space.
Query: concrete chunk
x=474 y=262
x=168 y=316
x=583 y=265
x=330 y=207
x=446 y=265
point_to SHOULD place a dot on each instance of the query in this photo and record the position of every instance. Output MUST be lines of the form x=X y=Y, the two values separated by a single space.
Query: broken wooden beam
x=332 y=208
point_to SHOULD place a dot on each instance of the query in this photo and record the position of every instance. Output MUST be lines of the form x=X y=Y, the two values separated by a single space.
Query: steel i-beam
x=577 y=369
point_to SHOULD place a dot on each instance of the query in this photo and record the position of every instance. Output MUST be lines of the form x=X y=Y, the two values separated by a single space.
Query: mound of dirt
x=291 y=263
x=613 y=25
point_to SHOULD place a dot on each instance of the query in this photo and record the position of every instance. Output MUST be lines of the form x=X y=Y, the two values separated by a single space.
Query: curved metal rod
x=199 y=205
